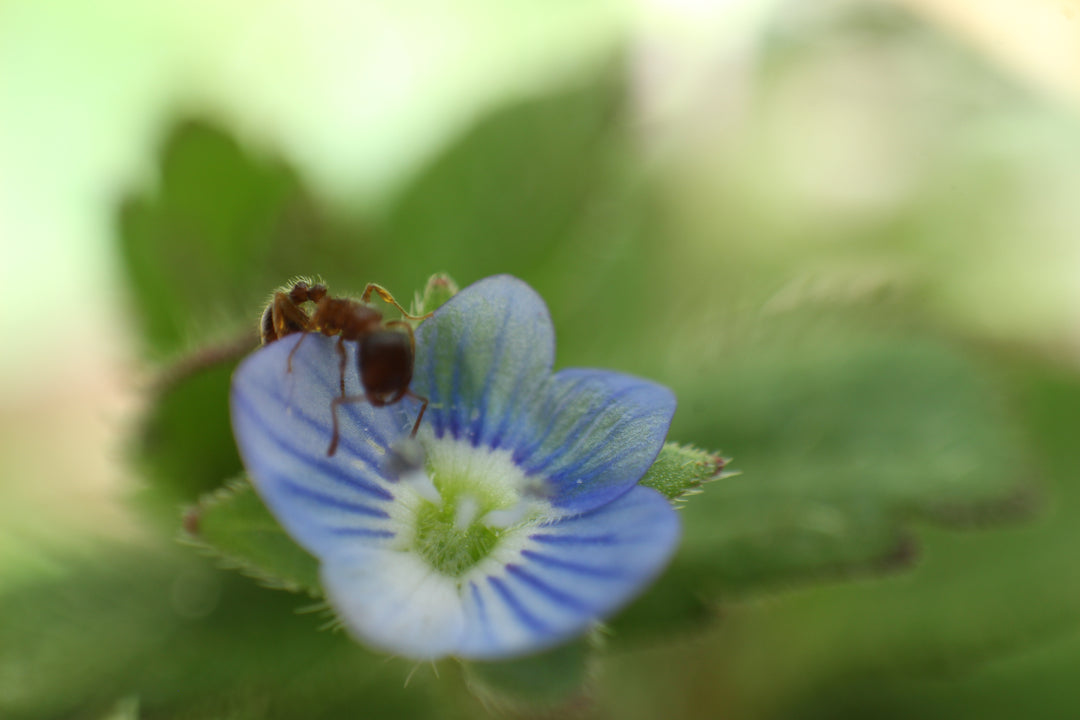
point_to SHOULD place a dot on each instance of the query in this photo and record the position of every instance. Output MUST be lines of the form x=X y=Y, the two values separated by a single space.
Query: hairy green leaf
x=234 y=524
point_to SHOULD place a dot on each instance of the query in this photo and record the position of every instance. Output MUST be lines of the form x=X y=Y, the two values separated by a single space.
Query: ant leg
x=387 y=297
x=296 y=347
x=287 y=317
x=341 y=361
x=333 y=414
x=423 y=409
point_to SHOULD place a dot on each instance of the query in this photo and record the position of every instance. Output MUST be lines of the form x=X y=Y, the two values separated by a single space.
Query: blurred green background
x=844 y=232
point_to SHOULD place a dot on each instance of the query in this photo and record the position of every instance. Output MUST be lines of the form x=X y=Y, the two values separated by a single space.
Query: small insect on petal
x=386 y=349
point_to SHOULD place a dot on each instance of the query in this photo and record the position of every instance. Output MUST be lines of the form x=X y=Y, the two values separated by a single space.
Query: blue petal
x=483 y=360
x=394 y=601
x=282 y=425
x=594 y=436
x=569 y=574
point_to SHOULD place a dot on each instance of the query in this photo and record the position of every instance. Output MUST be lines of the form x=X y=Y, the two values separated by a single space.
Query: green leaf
x=983 y=626
x=682 y=470
x=842 y=450
x=185 y=444
x=188 y=641
x=506 y=196
x=543 y=681
x=224 y=227
x=235 y=525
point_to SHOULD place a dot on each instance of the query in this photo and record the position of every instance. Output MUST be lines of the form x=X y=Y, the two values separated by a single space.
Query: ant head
x=299 y=292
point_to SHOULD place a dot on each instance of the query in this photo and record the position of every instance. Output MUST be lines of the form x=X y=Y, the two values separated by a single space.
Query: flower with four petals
x=512 y=522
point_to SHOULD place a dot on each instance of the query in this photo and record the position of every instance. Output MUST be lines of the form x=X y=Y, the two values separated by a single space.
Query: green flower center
x=446 y=546
x=467 y=500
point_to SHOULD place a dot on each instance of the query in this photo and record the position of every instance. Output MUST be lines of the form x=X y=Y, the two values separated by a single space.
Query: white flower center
x=461 y=505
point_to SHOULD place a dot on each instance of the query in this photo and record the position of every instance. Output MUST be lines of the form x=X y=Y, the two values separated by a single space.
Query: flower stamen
x=506 y=517
x=467 y=509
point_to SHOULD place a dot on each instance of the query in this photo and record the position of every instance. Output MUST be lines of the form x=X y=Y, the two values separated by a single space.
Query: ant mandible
x=385 y=355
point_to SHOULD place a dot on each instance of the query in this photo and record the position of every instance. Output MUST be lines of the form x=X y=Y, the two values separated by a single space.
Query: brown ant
x=385 y=356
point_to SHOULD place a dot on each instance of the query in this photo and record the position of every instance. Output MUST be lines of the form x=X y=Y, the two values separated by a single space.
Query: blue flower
x=512 y=522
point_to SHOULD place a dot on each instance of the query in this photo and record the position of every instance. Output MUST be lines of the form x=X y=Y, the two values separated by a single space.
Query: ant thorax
x=348 y=318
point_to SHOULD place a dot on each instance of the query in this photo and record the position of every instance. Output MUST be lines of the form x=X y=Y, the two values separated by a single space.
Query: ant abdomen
x=386 y=365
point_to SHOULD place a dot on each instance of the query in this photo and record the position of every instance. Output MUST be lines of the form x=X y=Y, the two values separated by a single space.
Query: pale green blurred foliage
x=773 y=207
